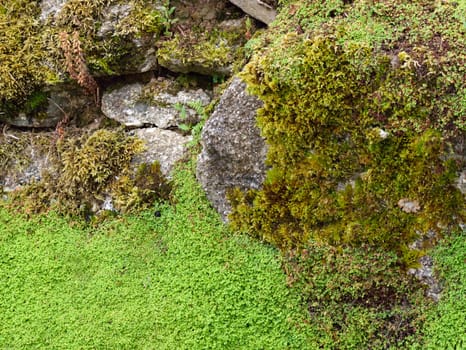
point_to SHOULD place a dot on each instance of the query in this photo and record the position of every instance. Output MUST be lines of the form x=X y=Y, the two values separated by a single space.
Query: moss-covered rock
x=214 y=52
x=82 y=171
x=359 y=121
x=45 y=45
x=208 y=36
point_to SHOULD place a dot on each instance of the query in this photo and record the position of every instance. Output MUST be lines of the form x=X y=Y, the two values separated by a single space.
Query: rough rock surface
x=127 y=106
x=28 y=166
x=461 y=181
x=163 y=145
x=63 y=101
x=233 y=153
x=425 y=274
x=115 y=14
x=50 y=7
x=459 y=148
x=22 y=120
x=257 y=9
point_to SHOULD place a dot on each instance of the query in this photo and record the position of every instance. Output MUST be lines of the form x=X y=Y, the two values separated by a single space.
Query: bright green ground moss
x=181 y=280
x=444 y=328
x=178 y=281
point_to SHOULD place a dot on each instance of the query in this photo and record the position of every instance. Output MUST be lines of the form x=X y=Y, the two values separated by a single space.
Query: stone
x=409 y=206
x=233 y=151
x=111 y=18
x=130 y=106
x=50 y=8
x=64 y=101
x=30 y=161
x=461 y=181
x=459 y=149
x=425 y=274
x=164 y=146
x=258 y=9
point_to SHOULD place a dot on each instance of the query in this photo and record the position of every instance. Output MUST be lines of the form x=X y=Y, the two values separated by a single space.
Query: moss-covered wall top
x=43 y=45
x=363 y=102
x=100 y=36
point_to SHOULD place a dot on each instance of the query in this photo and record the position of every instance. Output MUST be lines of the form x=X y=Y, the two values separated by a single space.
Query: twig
x=5 y=128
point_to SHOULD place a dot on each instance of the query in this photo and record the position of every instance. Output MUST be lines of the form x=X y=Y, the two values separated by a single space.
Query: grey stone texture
x=128 y=106
x=233 y=151
x=165 y=146
x=258 y=9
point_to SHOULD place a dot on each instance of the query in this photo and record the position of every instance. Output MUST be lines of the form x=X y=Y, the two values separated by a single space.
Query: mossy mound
x=358 y=126
x=364 y=103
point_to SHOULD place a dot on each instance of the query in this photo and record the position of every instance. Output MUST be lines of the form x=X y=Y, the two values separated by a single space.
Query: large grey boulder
x=259 y=9
x=132 y=107
x=233 y=151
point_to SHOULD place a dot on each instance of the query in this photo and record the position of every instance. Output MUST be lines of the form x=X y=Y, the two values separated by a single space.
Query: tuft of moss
x=22 y=70
x=136 y=191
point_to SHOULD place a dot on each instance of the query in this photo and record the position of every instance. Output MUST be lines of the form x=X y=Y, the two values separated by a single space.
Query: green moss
x=89 y=167
x=36 y=101
x=21 y=51
x=131 y=192
x=358 y=298
x=209 y=53
x=354 y=132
